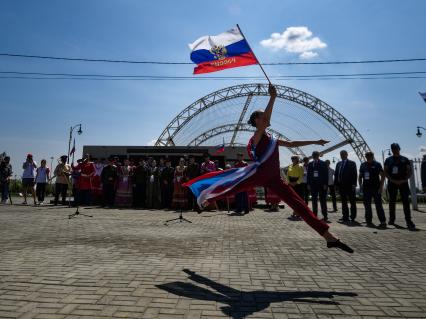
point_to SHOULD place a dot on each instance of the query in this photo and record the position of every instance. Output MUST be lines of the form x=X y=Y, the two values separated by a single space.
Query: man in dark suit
x=345 y=178
x=317 y=179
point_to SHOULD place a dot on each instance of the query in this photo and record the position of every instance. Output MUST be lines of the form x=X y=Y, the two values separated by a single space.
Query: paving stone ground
x=128 y=264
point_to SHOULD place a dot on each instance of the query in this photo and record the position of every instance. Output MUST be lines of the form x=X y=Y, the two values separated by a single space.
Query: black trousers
x=139 y=195
x=377 y=197
x=305 y=192
x=404 y=191
x=321 y=193
x=348 y=193
x=332 y=190
x=108 y=195
x=61 y=189
x=41 y=191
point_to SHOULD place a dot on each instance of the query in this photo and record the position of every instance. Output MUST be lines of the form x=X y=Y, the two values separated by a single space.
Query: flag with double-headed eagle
x=227 y=50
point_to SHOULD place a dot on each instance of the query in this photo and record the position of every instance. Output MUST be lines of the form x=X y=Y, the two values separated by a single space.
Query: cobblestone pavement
x=128 y=264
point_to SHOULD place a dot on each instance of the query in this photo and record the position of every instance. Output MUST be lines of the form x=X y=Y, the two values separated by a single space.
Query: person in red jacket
x=87 y=171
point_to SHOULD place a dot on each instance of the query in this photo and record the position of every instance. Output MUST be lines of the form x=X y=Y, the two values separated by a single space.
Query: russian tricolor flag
x=223 y=51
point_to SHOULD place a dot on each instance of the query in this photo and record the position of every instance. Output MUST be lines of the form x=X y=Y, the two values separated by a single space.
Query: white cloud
x=308 y=55
x=295 y=40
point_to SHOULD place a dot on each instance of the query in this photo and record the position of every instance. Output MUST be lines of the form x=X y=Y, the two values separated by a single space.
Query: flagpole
x=258 y=62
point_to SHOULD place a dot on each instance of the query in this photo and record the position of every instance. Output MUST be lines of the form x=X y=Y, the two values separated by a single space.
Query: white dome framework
x=297 y=115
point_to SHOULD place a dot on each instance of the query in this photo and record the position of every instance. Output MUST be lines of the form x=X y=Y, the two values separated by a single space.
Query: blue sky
x=36 y=115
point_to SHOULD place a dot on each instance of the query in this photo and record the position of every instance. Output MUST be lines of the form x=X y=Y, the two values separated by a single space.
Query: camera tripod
x=180 y=219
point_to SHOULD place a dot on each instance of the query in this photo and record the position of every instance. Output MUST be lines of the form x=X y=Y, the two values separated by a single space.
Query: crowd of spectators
x=151 y=184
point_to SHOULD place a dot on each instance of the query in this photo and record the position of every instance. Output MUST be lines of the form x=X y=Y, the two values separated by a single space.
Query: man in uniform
x=398 y=171
x=371 y=180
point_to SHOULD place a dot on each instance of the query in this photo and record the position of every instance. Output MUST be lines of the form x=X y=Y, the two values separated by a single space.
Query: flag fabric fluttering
x=227 y=50
x=423 y=95
x=220 y=148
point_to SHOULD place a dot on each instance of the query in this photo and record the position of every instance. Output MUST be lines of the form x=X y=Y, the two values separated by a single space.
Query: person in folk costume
x=272 y=199
x=180 y=197
x=62 y=172
x=153 y=187
x=41 y=179
x=207 y=166
x=96 y=181
x=123 y=196
x=265 y=171
x=166 y=179
x=192 y=171
x=241 y=199
x=87 y=171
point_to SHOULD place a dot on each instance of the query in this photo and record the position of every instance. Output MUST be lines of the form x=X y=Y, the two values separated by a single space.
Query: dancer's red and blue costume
x=264 y=171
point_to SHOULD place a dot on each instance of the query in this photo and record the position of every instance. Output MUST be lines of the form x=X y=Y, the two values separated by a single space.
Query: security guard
x=398 y=171
x=371 y=180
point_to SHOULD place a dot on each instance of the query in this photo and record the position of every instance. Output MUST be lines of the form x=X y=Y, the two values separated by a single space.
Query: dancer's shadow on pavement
x=244 y=303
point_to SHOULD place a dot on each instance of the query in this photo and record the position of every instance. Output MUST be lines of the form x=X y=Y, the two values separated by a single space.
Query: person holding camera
x=28 y=176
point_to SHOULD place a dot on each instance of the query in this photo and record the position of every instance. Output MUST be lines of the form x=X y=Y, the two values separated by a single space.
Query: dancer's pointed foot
x=198 y=209
x=338 y=244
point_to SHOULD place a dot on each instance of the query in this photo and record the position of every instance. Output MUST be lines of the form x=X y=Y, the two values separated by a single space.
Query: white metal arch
x=340 y=123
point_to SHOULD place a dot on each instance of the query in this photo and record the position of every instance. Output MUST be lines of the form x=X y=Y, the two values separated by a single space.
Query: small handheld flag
x=227 y=50
x=423 y=95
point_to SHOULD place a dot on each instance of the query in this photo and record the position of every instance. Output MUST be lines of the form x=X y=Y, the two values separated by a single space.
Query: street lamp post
x=419 y=134
x=383 y=154
x=72 y=128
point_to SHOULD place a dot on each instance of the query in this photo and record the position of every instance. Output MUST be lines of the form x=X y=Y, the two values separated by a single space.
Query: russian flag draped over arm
x=212 y=185
x=223 y=51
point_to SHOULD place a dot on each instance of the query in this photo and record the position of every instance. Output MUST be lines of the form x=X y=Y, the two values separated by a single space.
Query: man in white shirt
x=28 y=176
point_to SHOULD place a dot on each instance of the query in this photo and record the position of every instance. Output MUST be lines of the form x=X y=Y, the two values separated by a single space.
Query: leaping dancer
x=264 y=171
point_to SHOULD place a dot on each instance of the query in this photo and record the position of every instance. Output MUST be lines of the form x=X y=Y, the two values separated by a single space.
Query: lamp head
x=79 y=130
x=419 y=134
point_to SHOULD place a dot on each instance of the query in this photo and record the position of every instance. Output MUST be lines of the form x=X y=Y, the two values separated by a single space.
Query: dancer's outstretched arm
x=301 y=143
x=266 y=119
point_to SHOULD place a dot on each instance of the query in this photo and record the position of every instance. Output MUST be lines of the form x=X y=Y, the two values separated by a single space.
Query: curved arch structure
x=324 y=110
x=205 y=136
